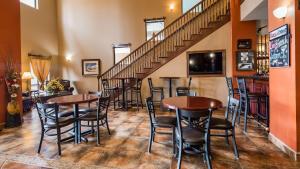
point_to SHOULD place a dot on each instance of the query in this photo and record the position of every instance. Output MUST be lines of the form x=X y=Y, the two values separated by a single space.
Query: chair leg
x=239 y=111
x=141 y=99
x=179 y=156
x=41 y=141
x=226 y=138
x=93 y=130
x=150 y=140
x=236 y=153
x=98 y=133
x=106 y=121
x=137 y=101
x=58 y=141
x=246 y=117
x=207 y=156
x=173 y=139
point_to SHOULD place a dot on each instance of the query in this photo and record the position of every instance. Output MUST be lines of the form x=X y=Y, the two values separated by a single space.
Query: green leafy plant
x=54 y=86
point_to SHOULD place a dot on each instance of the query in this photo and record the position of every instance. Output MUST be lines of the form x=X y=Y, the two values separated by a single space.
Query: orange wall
x=240 y=30
x=284 y=89
x=10 y=44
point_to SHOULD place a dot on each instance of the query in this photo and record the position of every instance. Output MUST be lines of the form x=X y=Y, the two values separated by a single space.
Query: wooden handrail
x=150 y=52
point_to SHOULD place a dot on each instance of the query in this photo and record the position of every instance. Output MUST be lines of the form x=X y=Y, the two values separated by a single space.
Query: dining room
x=149 y=84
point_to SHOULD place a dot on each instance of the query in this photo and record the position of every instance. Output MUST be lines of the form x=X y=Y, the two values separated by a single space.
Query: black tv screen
x=206 y=63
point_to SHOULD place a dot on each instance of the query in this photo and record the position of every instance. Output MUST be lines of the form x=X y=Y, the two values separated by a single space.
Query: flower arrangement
x=54 y=86
x=12 y=79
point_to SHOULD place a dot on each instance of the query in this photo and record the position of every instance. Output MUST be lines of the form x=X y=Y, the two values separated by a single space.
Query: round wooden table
x=191 y=103
x=74 y=100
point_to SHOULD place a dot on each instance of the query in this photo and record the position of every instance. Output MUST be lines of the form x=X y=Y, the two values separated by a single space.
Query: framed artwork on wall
x=90 y=67
x=280 y=47
x=244 y=44
x=245 y=60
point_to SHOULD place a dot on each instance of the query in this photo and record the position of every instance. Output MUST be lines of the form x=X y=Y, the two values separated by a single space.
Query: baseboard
x=285 y=148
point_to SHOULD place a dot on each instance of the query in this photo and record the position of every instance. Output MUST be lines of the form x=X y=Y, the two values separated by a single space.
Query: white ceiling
x=254 y=10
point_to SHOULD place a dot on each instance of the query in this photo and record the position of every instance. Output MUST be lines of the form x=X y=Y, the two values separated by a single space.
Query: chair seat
x=191 y=135
x=91 y=116
x=157 y=88
x=63 y=121
x=218 y=123
x=182 y=88
x=165 y=121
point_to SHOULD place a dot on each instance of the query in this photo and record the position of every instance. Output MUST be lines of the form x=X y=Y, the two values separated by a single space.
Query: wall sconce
x=280 y=12
x=172 y=7
x=69 y=57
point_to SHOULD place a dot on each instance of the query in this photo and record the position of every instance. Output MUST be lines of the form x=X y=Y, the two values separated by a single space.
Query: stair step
x=155 y=62
x=163 y=57
x=147 y=67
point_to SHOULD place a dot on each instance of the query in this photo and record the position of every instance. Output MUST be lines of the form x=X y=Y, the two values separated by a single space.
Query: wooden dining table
x=170 y=83
x=191 y=103
x=74 y=100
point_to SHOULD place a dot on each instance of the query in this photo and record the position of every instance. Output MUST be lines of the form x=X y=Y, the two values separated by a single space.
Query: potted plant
x=54 y=86
x=12 y=80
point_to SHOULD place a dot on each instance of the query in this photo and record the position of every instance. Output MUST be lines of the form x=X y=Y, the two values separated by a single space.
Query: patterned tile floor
x=127 y=148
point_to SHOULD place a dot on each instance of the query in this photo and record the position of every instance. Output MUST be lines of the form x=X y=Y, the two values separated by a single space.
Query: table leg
x=76 y=124
x=170 y=87
x=123 y=94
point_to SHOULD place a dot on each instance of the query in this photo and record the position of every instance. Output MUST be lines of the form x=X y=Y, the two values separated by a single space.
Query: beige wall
x=88 y=28
x=39 y=33
x=214 y=87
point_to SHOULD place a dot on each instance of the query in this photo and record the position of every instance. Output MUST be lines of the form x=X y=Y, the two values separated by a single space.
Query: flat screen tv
x=206 y=63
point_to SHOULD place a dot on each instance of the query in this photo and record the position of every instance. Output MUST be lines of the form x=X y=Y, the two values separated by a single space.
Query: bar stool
x=183 y=88
x=245 y=98
x=114 y=92
x=153 y=90
x=231 y=91
x=137 y=91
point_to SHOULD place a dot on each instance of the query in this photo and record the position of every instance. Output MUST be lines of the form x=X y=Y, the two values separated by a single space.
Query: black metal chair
x=227 y=124
x=98 y=117
x=137 y=91
x=178 y=89
x=245 y=98
x=158 y=122
x=231 y=91
x=153 y=90
x=114 y=92
x=51 y=121
x=192 y=137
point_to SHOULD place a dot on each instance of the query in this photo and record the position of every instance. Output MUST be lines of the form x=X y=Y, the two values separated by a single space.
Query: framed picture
x=244 y=44
x=280 y=47
x=90 y=67
x=245 y=60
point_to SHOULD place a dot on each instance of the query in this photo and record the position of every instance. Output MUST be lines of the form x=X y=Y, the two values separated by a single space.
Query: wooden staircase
x=190 y=28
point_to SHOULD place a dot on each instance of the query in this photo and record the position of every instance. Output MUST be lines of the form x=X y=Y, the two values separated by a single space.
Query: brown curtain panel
x=41 y=68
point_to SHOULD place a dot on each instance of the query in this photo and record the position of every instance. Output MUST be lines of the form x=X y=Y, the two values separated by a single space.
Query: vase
x=13 y=117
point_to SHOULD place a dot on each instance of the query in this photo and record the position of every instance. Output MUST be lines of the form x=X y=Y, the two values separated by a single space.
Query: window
x=188 y=4
x=121 y=51
x=154 y=26
x=31 y=3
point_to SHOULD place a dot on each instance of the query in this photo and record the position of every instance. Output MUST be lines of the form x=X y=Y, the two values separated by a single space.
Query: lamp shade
x=26 y=76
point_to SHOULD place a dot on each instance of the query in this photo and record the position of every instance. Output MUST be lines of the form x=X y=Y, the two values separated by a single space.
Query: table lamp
x=27 y=76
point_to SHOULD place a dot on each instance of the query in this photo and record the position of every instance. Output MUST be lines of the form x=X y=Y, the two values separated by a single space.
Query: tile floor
x=127 y=148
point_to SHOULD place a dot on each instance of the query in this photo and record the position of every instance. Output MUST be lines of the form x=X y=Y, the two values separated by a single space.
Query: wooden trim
x=82 y=70
x=121 y=45
x=283 y=147
x=208 y=75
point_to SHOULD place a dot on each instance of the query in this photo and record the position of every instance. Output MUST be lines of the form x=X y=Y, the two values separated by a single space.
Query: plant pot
x=13 y=117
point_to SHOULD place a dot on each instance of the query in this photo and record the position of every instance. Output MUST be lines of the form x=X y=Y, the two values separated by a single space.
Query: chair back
x=230 y=86
x=232 y=110
x=242 y=88
x=150 y=83
x=47 y=112
x=102 y=106
x=150 y=109
x=185 y=92
x=203 y=115
x=138 y=83
x=105 y=83
x=97 y=93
